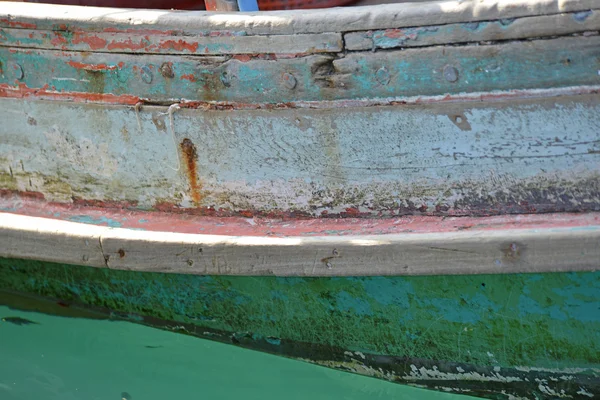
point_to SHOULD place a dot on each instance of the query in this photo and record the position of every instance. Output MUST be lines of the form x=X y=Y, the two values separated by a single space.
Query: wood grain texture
x=195 y=43
x=59 y=241
x=538 y=64
x=510 y=251
x=447 y=158
x=43 y=16
x=505 y=29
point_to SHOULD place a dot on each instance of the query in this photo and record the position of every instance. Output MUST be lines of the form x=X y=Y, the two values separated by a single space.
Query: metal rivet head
x=166 y=70
x=146 y=74
x=289 y=81
x=450 y=73
x=15 y=71
x=383 y=76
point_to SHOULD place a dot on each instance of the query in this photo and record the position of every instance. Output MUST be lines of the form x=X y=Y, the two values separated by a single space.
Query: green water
x=78 y=359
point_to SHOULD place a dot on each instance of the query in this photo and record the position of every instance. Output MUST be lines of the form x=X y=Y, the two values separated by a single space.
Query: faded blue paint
x=302 y=159
x=453 y=310
x=86 y=219
x=510 y=66
x=529 y=306
x=582 y=15
x=580 y=300
x=6 y=37
x=387 y=292
x=345 y=302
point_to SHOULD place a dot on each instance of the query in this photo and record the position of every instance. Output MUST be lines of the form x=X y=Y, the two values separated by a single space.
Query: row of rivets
x=450 y=73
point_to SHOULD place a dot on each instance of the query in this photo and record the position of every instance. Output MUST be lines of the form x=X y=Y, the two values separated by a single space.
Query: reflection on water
x=45 y=357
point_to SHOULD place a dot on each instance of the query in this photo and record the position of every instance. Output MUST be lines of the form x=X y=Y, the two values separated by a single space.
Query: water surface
x=58 y=358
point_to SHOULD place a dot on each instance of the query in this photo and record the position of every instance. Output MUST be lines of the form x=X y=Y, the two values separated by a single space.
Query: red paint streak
x=32 y=204
x=190 y=155
x=92 y=67
x=178 y=45
x=399 y=34
x=128 y=45
x=94 y=42
x=189 y=77
x=58 y=40
x=17 y=24
x=22 y=92
x=104 y=203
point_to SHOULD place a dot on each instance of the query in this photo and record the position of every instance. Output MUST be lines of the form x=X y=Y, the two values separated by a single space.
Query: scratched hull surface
x=529 y=335
x=435 y=109
x=269 y=128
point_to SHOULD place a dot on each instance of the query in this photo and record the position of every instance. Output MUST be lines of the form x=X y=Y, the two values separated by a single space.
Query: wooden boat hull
x=407 y=191
x=525 y=335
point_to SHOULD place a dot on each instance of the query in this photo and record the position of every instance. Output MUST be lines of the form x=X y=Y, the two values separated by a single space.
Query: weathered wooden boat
x=407 y=191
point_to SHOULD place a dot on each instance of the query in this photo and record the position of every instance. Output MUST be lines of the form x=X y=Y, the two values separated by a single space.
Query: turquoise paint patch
x=142 y=220
x=528 y=306
x=86 y=219
x=387 y=291
x=581 y=300
x=468 y=310
x=347 y=303
x=278 y=295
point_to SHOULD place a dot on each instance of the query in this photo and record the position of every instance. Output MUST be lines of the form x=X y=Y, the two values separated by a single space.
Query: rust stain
x=92 y=67
x=513 y=252
x=23 y=194
x=189 y=77
x=22 y=92
x=121 y=253
x=190 y=156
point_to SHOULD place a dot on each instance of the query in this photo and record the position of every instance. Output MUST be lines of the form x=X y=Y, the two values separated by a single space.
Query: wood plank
x=58 y=242
x=45 y=16
x=446 y=158
x=463 y=69
x=519 y=28
x=199 y=43
x=511 y=251
x=430 y=71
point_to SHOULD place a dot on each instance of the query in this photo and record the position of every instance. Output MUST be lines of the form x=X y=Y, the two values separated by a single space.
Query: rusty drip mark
x=121 y=253
x=513 y=252
x=188 y=149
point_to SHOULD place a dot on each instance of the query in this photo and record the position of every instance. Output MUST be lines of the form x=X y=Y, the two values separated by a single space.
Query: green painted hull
x=528 y=335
